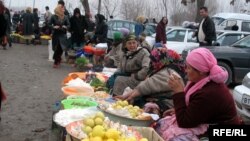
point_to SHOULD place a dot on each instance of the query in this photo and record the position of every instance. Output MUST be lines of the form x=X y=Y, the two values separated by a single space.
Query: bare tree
x=212 y=6
x=132 y=8
x=201 y=3
x=110 y=7
x=85 y=4
x=164 y=2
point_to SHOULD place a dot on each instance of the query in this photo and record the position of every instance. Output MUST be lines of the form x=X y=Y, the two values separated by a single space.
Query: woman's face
x=193 y=74
x=165 y=20
x=131 y=45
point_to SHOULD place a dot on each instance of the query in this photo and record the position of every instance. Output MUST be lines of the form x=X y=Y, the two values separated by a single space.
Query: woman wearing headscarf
x=3 y=25
x=113 y=58
x=161 y=31
x=205 y=99
x=36 y=23
x=134 y=66
x=101 y=30
x=154 y=90
x=59 y=23
x=78 y=26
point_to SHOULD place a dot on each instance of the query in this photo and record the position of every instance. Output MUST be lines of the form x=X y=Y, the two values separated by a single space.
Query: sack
x=111 y=81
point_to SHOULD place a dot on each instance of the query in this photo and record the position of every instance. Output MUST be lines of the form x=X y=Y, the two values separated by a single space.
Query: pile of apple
x=134 y=111
x=97 y=129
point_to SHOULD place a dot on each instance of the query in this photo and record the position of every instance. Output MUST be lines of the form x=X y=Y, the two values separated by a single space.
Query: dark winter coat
x=208 y=28
x=78 y=26
x=28 y=21
x=3 y=25
x=161 y=33
x=59 y=35
x=36 y=23
x=101 y=29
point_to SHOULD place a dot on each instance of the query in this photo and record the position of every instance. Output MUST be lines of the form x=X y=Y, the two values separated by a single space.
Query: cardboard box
x=149 y=133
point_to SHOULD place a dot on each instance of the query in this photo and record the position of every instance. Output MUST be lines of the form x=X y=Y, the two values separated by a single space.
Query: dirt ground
x=32 y=87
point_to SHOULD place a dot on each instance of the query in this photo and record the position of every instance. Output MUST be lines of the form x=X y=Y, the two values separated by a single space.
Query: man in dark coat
x=206 y=31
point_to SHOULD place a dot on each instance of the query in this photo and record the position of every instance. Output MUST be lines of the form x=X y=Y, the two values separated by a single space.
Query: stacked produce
x=124 y=109
x=99 y=128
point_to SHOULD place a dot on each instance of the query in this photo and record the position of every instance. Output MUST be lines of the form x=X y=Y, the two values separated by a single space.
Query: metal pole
x=34 y=1
x=9 y=4
x=99 y=6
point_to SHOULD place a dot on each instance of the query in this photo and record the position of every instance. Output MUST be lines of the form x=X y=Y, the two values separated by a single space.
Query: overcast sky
x=40 y=4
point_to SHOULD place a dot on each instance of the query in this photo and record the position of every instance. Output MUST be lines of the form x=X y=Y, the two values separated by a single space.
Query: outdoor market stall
x=89 y=113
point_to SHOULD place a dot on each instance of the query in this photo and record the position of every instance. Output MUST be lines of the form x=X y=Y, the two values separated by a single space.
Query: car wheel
x=226 y=67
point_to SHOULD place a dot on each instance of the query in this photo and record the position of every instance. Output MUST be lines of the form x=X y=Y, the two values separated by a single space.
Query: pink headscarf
x=204 y=61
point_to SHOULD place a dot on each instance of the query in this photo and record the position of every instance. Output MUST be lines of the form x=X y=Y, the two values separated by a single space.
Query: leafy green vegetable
x=82 y=61
x=97 y=83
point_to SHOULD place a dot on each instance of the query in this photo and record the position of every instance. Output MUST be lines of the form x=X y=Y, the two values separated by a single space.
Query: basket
x=127 y=121
x=78 y=103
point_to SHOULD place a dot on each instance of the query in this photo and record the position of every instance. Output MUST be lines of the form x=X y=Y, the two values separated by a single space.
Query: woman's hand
x=175 y=83
x=129 y=96
x=122 y=97
x=132 y=95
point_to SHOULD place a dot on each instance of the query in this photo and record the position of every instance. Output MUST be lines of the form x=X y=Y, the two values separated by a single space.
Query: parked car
x=178 y=38
x=227 y=20
x=241 y=94
x=116 y=25
x=228 y=37
x=235 y=59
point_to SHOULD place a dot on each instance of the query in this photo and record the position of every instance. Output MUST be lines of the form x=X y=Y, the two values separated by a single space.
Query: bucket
x=100 y=49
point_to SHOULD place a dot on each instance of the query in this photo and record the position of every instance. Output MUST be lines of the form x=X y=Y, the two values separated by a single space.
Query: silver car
x=241 y=94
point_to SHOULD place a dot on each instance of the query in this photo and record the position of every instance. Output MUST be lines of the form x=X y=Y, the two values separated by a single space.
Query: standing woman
x=161 y=31
x=36 y=23
x=59 y=23
x=3 y=25
x=28 y=21
x=8 y=29
x=78 y=26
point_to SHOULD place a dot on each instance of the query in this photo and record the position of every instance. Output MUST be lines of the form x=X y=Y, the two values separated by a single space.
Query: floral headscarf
x=161 y=58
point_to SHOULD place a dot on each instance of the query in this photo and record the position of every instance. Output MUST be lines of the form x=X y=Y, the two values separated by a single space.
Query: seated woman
x=112 y=59
x=134 y=66
x=154 y=89
x=205 y=99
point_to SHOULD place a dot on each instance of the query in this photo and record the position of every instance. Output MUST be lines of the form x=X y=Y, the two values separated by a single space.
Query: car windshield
x=243 y=43
x=176 y=35
x=217 y=20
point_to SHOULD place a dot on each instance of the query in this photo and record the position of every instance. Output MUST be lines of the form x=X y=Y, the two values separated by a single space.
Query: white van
x=225 y=21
